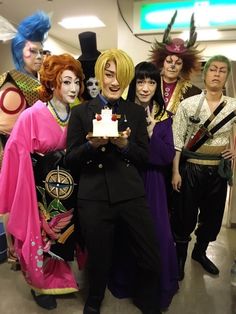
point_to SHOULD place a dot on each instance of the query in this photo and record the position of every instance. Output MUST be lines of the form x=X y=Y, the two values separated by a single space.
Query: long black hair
x=145 y=70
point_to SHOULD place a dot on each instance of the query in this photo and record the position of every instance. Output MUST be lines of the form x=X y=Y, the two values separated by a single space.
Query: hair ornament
x=178 y=45
x=7 y=30
x=186 y=50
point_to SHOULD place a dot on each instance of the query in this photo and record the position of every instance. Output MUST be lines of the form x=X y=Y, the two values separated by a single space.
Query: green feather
x=166 y=37
x=193 y=33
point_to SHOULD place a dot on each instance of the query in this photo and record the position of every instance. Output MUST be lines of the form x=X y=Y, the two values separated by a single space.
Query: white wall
x=226 y=48
x=6 y=58
x=57 y=47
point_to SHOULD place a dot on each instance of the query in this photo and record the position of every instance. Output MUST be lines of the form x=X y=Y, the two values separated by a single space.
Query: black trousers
x=201 y=200
x=98 y=221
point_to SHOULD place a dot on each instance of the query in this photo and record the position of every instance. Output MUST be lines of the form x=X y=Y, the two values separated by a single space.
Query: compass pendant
x=59 y=184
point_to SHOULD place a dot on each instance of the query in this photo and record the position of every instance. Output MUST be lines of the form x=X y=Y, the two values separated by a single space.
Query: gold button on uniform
x=103 y=149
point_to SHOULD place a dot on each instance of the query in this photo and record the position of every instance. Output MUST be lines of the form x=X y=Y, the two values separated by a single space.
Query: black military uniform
x=111 y=189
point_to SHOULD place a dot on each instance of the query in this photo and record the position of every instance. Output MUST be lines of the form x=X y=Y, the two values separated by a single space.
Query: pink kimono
x=35 y=131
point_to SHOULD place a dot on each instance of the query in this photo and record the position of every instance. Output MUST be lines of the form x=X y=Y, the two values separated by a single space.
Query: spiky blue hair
x=32 y=28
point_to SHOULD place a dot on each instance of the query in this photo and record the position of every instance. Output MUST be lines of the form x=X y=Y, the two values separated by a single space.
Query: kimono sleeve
x=17 y=187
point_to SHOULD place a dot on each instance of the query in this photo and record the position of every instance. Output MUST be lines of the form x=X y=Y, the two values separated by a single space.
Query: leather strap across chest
x=210 y=133
x=203 y=129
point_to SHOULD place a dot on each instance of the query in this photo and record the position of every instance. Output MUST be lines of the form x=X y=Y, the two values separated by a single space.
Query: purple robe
x=161 y=154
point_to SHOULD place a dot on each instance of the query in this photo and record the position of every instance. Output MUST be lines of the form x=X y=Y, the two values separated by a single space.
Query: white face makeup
x=145 y=90
x=33 y=57
x=216 y=76
x=69 y=89
x=111 y=87
x=92 y=87
x=171 y=68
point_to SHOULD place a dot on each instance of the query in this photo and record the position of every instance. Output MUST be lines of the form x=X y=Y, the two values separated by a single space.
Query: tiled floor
x=199 y=292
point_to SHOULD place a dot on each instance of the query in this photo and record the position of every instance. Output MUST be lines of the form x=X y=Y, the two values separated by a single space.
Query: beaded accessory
x=168 y=89
x=60 y=121
x=27 y=84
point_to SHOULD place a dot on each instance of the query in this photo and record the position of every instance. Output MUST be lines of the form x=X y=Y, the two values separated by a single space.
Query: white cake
x=105 y=124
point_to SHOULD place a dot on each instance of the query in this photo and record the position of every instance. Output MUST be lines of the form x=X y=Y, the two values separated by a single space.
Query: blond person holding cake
x=110 y=187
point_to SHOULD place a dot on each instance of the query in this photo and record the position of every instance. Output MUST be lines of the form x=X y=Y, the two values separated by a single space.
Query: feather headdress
x=186 y=50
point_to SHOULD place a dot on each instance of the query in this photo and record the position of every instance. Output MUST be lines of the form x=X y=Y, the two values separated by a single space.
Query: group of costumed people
x=39 y=176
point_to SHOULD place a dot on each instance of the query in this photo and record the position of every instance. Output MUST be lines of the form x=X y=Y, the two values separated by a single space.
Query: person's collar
x=169 y=83
x=105 y=101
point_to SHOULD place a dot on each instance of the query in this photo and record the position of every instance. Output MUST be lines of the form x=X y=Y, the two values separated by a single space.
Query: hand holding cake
x=122 y=140
x=97 y=141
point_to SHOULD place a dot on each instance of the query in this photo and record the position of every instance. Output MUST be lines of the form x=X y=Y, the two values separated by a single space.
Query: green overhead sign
x=208 y=14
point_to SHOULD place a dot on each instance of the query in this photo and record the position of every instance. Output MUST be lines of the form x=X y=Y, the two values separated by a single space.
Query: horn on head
x=192 y=33
x=166 y=38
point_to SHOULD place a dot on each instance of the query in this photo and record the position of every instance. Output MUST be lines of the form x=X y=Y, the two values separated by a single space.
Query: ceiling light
x=89 y=21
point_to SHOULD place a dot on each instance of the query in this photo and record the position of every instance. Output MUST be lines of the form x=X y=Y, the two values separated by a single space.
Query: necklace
x=60 y=121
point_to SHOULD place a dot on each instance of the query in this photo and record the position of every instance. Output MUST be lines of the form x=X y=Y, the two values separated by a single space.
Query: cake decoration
x=105 y=124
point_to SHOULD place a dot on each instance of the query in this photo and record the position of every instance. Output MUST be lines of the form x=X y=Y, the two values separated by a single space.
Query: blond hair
x=124 y=66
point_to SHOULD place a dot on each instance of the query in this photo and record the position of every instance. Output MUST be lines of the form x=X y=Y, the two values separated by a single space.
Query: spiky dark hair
x=191 y=56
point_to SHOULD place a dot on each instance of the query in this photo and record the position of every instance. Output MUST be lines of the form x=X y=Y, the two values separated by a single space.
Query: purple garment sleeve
x=161 y=146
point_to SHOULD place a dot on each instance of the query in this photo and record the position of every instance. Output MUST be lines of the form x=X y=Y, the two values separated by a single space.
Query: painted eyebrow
x=35 y=48
x=171 y=59
x=224 y=67
x=70 y=77
x=112 y=72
